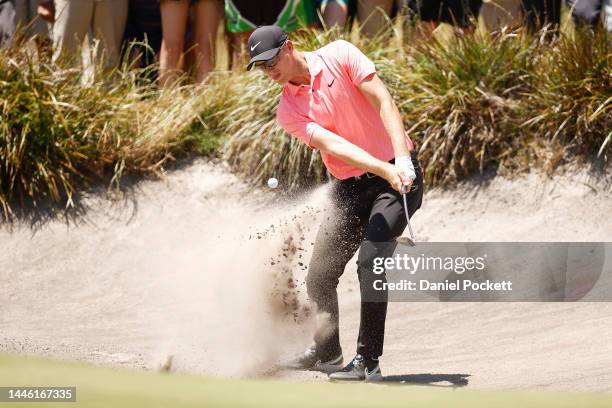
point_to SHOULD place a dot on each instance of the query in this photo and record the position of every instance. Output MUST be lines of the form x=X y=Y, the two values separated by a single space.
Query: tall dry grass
x=58 y=135
x=505 y=100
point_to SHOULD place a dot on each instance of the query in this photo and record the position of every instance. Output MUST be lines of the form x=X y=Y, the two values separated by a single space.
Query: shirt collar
x=315 y=66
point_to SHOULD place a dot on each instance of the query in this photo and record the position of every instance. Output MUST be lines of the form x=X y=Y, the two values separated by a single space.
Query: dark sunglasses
x=271 y=63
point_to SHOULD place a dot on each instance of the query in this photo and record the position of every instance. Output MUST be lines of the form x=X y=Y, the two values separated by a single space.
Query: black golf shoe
x=316 y=361
x=359 y=369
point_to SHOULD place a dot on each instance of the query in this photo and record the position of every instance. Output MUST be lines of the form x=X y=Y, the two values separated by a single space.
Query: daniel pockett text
x=486 y=271
x=457 y=265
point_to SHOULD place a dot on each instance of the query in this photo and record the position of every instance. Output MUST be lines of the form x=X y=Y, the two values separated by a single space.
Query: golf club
x=405 y=240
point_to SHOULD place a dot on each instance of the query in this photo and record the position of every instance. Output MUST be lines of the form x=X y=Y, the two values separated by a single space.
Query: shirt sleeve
x=296 y=124
x=357 y=65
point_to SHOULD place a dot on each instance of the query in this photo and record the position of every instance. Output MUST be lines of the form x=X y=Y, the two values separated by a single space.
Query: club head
x=407 y=241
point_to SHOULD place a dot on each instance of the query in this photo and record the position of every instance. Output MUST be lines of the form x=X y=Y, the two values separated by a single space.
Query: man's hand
x=46 y=10
x=396 y=177
x=406 y=169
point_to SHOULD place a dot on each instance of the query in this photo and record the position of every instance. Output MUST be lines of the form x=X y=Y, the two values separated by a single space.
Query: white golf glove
x=404 y=164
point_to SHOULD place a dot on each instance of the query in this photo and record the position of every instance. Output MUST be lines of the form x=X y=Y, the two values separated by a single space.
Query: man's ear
x=289 y=45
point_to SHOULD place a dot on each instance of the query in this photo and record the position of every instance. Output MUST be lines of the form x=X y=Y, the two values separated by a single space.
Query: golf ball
x=272 y=182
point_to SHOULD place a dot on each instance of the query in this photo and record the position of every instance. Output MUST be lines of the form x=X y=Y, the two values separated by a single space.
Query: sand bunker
x=200 y=268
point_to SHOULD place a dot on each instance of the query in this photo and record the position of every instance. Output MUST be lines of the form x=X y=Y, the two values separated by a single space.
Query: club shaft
x=407 y=217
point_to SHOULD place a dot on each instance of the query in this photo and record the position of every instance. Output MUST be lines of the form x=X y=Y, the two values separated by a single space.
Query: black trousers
x=362 y=209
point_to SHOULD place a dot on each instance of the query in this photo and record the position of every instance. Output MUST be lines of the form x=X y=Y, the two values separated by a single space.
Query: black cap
x=264 y=43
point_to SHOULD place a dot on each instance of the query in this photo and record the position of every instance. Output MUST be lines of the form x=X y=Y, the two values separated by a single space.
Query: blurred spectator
x=243 y=16
x=501 y=13
x=175 y=14
x=27 y=17
x=8 y=22
x=454 y=12
x=46 y=10
x=588 y=12
x=374 y=15
x=103 y=20
x=334 y=12
x=143 y=26
x=540 y=13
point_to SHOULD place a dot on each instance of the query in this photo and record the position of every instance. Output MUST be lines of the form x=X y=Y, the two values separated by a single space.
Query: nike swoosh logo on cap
x=255 y=46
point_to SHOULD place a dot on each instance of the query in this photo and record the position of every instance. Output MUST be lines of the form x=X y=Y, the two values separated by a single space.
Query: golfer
x=333 y=101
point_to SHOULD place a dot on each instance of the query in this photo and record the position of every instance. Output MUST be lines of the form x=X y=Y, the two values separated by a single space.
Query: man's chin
x=281 y=81
x=278 y=77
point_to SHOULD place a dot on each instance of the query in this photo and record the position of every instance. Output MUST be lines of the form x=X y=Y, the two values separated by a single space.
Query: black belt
x=364 y=175
x=368 y=175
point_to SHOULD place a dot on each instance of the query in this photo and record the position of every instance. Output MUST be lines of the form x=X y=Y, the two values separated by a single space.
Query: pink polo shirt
x=333 y=101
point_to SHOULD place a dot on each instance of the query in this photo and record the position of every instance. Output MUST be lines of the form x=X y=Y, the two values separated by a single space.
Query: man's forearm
x=349 y=153
x=392 y=120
